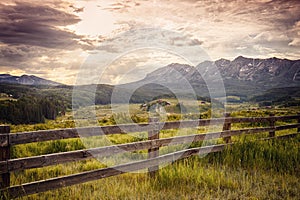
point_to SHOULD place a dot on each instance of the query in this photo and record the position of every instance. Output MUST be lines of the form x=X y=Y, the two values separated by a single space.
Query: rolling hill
x=26 y=80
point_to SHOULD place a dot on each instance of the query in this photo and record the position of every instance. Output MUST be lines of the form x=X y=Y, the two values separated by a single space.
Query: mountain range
x=243 y=77
x=26 y=80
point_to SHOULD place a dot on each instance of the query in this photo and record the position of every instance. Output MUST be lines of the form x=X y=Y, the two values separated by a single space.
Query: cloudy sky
x=123 y=40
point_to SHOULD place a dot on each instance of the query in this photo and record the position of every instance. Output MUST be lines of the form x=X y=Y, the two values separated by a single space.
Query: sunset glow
x=53 y=38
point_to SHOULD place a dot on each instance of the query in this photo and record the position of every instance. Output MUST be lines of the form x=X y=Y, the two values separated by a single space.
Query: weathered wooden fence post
x=298 y=121
x=272 y=125
x=4 y=156
x=227 y=127
x=154 y=152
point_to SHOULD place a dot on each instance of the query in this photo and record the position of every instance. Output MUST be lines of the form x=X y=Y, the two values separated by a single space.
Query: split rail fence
x=8 y=165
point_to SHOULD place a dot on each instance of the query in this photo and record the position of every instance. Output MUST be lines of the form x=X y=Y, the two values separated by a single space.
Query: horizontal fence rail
x=8 y=165
x=55 y=183
x=49 y=135
x=70 y=156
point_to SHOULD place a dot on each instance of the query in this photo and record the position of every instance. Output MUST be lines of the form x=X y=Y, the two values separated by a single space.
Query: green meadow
x=250 y=169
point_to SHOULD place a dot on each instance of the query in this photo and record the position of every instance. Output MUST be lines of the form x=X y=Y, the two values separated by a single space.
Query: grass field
x=248 y=170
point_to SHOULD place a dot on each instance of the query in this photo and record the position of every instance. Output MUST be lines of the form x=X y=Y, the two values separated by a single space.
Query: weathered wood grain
x=48 y=135
x=298 y=121
x=227 y=127
x=153 y=152
x=287 y=136
x=272 y=124
x=289 y=126
x=4 y=156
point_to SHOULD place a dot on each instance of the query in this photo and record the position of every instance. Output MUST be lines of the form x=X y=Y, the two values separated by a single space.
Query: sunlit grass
x=250 y=169
x=247 y=170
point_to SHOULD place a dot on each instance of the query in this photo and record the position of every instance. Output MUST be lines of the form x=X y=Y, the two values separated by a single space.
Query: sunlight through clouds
x=40 y=36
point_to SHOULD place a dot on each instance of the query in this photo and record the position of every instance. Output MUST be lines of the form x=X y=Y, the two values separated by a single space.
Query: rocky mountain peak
x=240 y=74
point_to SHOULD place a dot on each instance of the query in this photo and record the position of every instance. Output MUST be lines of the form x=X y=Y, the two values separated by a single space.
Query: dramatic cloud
x=37 y=25
x=34 y=38
x=219 y=23
x=52 y=38
x=134 y=65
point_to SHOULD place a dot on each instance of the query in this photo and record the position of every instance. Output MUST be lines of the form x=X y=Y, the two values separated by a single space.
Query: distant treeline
x=34 y=104
x=284 y=97
x=30 y=110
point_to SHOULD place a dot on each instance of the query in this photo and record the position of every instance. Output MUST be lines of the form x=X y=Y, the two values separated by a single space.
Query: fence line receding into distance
x=154 y=142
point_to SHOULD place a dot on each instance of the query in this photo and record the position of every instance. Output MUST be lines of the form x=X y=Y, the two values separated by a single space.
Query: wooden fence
x=8 y=165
